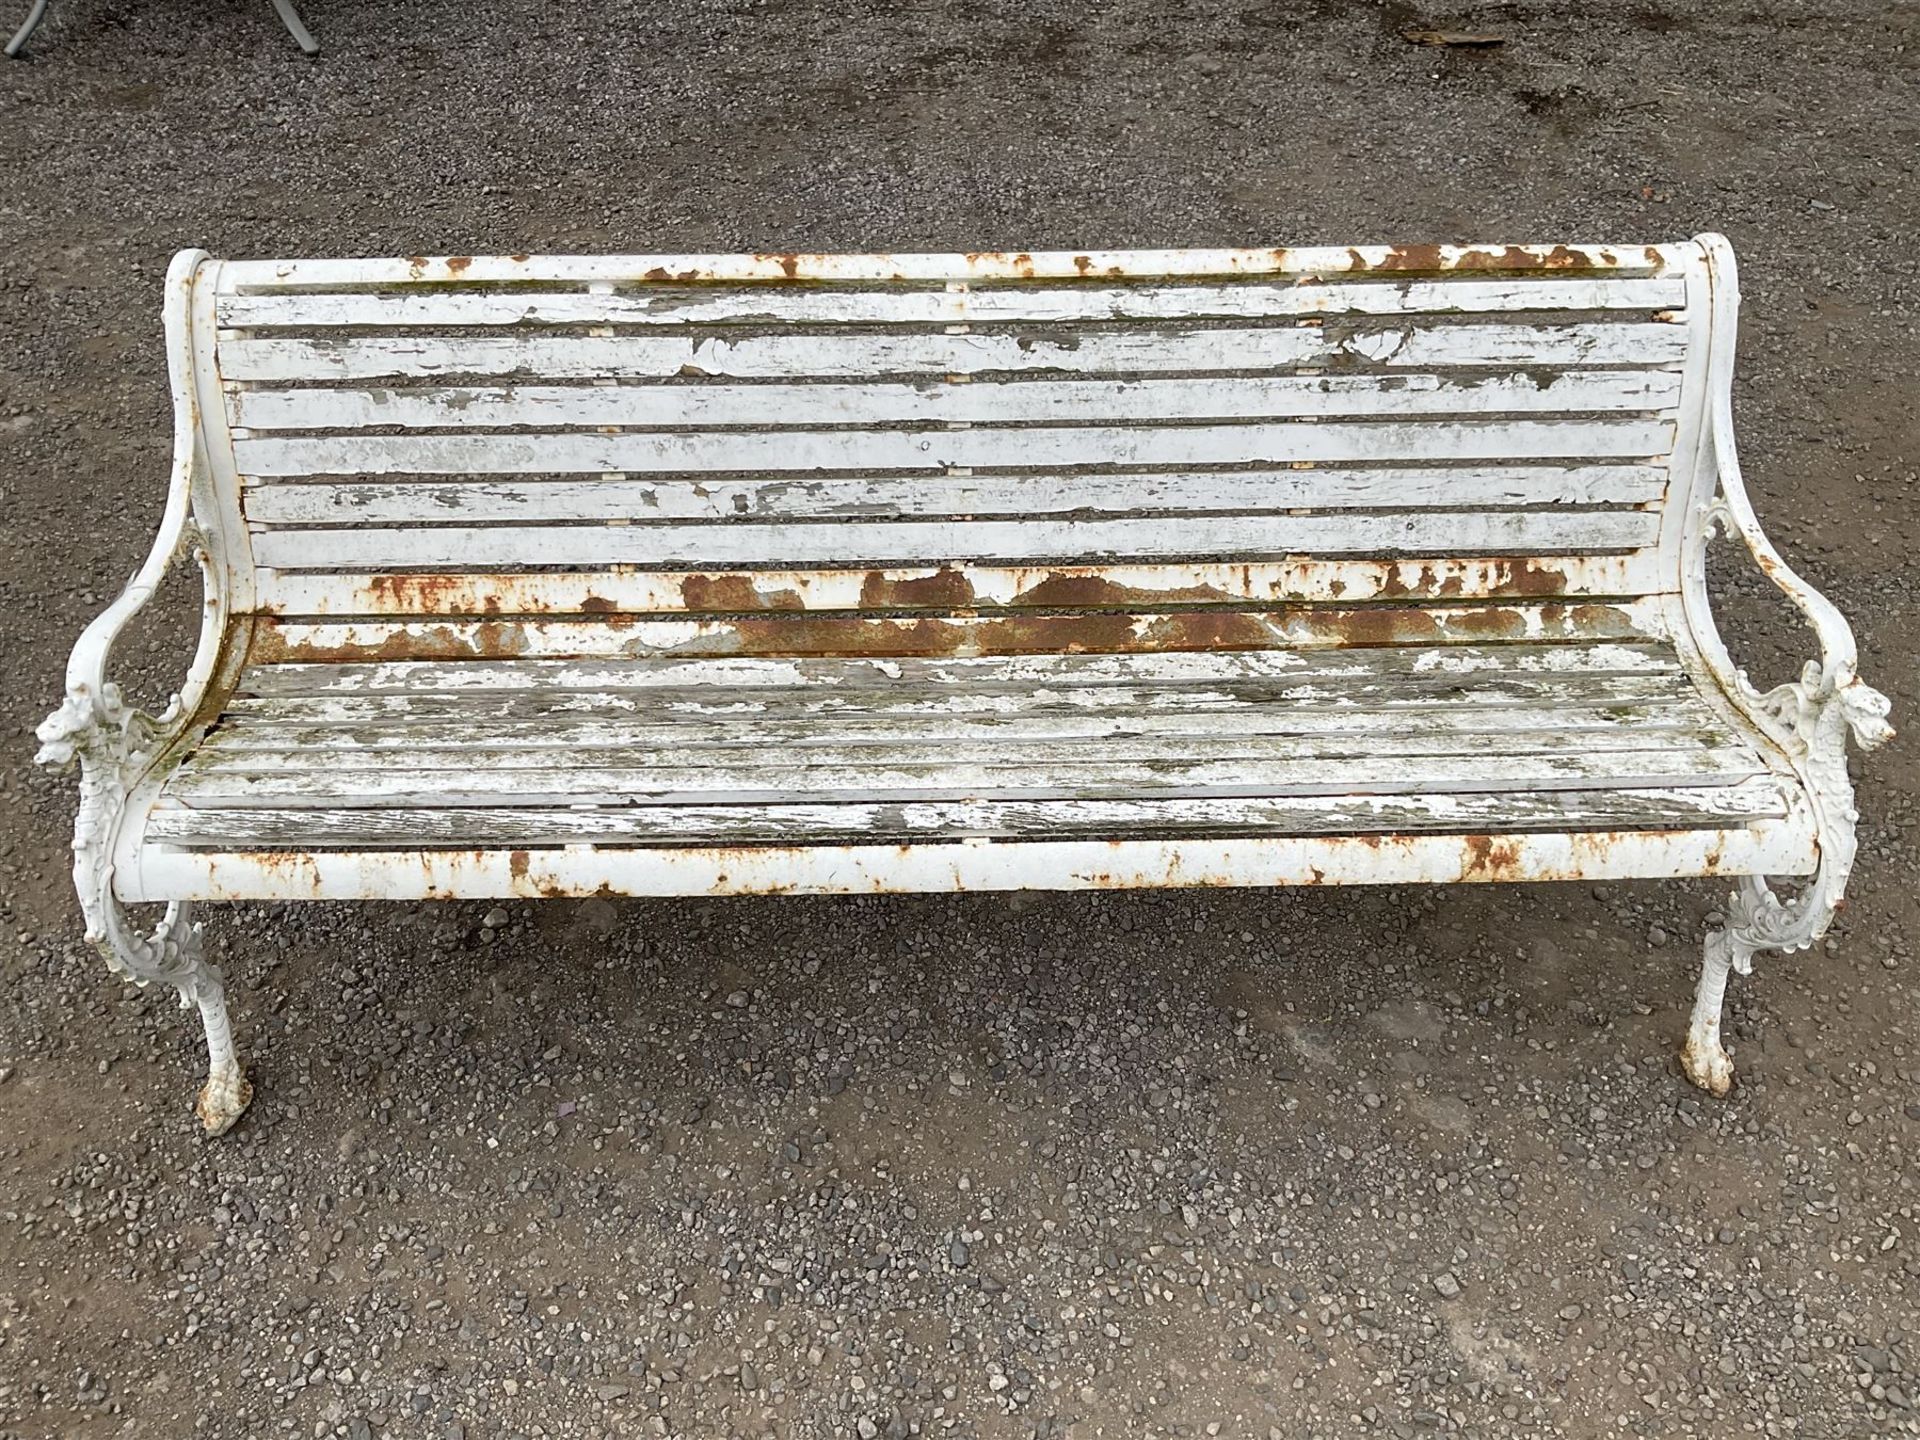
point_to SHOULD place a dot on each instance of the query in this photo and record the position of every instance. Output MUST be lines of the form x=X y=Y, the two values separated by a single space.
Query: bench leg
x=175 y=955
x=1705 y=1059
x=1757 y=920
x=290 y=18
x=20 y=36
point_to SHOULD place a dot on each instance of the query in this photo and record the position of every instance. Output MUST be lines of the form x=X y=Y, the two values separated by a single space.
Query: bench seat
x=535 y=576
x=437 y=765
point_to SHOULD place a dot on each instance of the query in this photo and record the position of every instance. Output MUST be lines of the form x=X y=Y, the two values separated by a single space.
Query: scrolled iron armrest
x=95 y=723
x=1810 y=716
x=95 y=719
x=1829 y=689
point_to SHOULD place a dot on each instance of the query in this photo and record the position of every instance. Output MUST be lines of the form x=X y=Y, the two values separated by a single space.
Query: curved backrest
x=953 y=453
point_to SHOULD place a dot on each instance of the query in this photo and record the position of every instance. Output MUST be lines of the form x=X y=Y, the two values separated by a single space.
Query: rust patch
x=1209 y=630
x=519 y=259
x=1491 y=859
x=1433 y=259
x=486 y=640
x=1087 y=590
x=1530 y=577
x=734 y=592
x=1488 y=624
x=945 y=589
x=1083 y=263
x=427 y=594
x=517 y=864
x=458 y=264
x=1605 y=620
x=1382 y=626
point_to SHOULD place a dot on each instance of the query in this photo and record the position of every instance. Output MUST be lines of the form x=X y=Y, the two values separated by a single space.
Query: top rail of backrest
x=264 y=275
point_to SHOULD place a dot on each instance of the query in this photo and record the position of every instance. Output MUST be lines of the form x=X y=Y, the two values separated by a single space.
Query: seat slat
x=1141 y=350
x=1357 y=696
x=429 y=750
x=981 y=305
x=1386 y=670
x=294 y=730
x=1035 y=400
x=1714 y=807
x=1093 y=777
x=1068 y=539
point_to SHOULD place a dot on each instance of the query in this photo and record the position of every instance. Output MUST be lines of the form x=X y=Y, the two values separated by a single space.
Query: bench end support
x=228 y=1092
x=1704 y=1059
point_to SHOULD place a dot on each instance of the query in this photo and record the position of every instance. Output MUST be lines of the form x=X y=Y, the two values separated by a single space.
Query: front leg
x=175 y=954
x=1757 y=919
x=115 y=744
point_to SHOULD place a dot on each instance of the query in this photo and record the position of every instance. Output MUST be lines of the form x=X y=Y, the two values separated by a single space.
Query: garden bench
x=761 y=574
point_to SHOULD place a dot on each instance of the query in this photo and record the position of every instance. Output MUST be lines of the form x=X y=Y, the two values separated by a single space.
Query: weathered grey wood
x=1627 y=695
x=1092 y=777
x=293 y=730
x=1031 y=400
x=1361 y=674
x=1712 y=807
x=735 y=746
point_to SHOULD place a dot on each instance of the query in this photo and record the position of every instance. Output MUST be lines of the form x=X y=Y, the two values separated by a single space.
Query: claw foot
x=1707 y=1063
x=223 y=1099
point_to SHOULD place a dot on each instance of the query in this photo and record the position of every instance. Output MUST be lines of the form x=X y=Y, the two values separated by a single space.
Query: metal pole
x=20 y=35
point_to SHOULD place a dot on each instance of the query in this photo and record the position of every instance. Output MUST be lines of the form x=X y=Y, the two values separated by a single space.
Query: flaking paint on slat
x=987 y=586
x=1033 y=400
x=1168 y=350
x=1067 y=540
x=1020 y=633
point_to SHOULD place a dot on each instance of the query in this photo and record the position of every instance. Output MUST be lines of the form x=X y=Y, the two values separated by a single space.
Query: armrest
x=94 y=722
x=1829 y=691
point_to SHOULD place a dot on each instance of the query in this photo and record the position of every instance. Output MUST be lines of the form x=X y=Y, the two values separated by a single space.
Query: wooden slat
x=887 y=497
x=694 y=746
x=936 y=778
x=434 y=638
x=777 y=356
x=1347 y=671
x=1077 y=265
x=1059 y=587
x=1362 y=700
x=292 y=730
x=988 y=447
x=1712 y=807
x=1500 y=532
x=1037 y=400
x=900 y=305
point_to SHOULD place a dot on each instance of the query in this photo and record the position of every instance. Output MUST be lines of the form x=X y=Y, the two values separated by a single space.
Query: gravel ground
x=1394 y=1162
